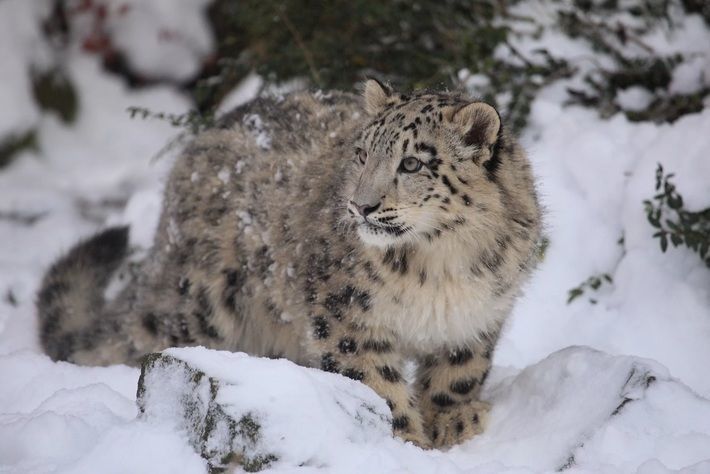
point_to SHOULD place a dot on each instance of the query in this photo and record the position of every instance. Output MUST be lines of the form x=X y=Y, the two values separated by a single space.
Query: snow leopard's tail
x=70 y=301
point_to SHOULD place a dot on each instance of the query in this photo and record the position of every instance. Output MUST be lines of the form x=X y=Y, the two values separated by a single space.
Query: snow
x=245 y=91
x=562 y=371
x=691 y=76
x=659 y=302
x=255 y=125
x=224 y=175
x=81 y=176
x=52 y=413
x=634 y=98
x=20 y=28
x=138 y=447
x=557 y=413
x=162 y=39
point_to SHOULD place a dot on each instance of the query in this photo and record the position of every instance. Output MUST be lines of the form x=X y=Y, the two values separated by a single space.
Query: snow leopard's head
x=425 y=164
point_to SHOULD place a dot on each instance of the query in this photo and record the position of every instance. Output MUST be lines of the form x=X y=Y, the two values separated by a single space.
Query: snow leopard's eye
x=410 y=165
x=361 y=155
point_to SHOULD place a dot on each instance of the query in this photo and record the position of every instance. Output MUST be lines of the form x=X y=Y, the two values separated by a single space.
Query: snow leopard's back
x=242 y=201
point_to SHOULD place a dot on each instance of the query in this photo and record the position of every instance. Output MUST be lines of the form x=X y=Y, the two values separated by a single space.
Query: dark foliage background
x=335 y=44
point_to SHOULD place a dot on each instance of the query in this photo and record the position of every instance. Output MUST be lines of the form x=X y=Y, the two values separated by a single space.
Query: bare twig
x=301 y=45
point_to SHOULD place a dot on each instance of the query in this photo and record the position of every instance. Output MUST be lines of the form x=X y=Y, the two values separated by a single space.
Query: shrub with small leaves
x=666 y=212
x=593 y=283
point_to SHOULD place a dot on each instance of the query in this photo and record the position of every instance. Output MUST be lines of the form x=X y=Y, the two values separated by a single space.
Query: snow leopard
x=383 y=236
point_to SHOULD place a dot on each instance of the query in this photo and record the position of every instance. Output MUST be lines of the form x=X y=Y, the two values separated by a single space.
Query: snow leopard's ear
x=377 y=96
x=478 y=123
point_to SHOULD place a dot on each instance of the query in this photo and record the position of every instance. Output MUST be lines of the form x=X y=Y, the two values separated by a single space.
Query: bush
x=666 y=212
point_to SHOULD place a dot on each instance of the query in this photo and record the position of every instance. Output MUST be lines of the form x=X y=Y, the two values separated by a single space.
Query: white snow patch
x=244 y=217
x=255 y=125
x=245 y=91
x=634 y=98
x=691 y=76
x=474 y=83
x=224 y=175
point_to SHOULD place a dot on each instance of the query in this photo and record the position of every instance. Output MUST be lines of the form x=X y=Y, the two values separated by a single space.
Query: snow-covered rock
x=248 y=411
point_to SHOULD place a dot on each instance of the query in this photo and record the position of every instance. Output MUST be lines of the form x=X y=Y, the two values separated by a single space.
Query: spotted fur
x=343 y=233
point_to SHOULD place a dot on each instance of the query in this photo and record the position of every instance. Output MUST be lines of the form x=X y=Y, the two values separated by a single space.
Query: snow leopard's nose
x=365 y=209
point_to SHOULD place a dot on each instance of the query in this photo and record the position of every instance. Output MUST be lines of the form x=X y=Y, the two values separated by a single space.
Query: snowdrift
x=201 y=410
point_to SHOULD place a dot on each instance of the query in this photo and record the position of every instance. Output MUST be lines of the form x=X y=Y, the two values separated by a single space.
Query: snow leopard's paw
x=418 y=439
x=457 y=423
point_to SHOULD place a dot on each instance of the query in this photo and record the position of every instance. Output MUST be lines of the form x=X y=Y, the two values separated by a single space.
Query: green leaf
x=675 y=201
x=672 y=225
x=11 y=146
x=659 y=176
x=664 y=243
x=54 y=91
x=691 y=218
x=574 y=293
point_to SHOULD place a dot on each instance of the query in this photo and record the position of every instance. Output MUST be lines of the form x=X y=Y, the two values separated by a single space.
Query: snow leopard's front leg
x=370 y=356
x=448 y=384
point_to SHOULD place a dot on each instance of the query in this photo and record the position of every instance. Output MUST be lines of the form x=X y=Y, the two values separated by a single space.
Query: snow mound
x=550 y=409
x=581 y=410
x=53 y=412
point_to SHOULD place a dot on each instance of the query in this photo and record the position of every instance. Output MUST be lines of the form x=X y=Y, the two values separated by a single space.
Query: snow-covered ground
x=638 y=402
